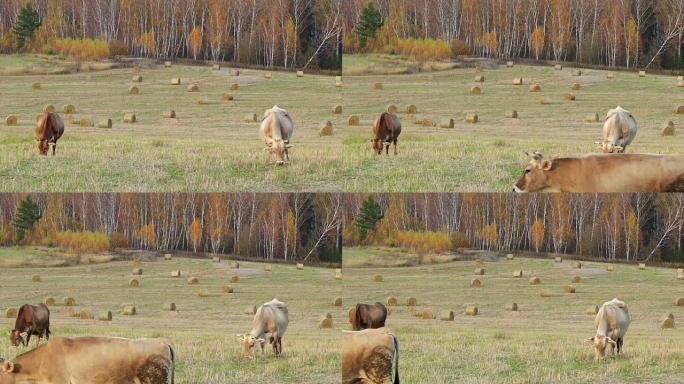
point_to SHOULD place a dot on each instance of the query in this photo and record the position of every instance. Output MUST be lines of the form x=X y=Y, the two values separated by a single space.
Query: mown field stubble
x=541 y=342
x=203 y=330
x=487 y=155
x=206 y=147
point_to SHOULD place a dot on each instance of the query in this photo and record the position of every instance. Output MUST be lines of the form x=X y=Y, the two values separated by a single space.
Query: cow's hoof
x=280 y=163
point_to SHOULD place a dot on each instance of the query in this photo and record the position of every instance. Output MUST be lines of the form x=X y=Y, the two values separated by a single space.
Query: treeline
x=283 y=33
x=279 y=226
x=629 y=33
x=630 y=227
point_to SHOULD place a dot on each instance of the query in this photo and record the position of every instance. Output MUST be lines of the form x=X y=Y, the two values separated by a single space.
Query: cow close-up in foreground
x=603 y=173
x=276 y=130
x=365 y=316
x=386 y=131
x=49 y=129
x=34 y=320
x=370 y=356
x=269 y=325
x=92 y=360
x=619 y=130
x=612 y=322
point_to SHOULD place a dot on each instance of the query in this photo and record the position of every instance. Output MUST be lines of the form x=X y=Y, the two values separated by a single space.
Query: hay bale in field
x=411 y=301
x=104 y=316
x=476 y=283
x=129 y=310
x=167 y=64
x=133 y=90
x=86 y=314
x=518 y=274
x=378 y=86
x=300 y=266
x=202 y=101
x=679 y=302
x=577 y=72
x=235 y=279
x=338 y=274
x=475 y=90
x=642 y=266
x=471 y=310
x=680 y=274
x=176 y=273
x=71 y=312
x=137 y=271
x=426 y=314
x=545 y=101
x=577 y=279
x=268 y=76
x=202 y=293
x=171 y=114
x=391 y=108
x=679 y=109
x=234 y=87
x=215 y=259
x=85 y=122
x=193 y=88
x=427 y=122
x=227 y=96
x=167 y=256
x=479 y=271
x=378 y=278
x=518 y=81
x=137 y=79
x=609 y=268
x=411 y=109
x=569 y=97
x=509 y=64
x=680 y=78
x=642 y=73
x=325 y=322
x=134 y=283
x=227 y=289
x=680 y=84
x=69 y=301
x=49 y=301
x=235 y=72
x=534 y=280
x=337 y=110
x=353 y=120
x=176 y=81
x=49 y=108
x=36 y=278
x=610 y=76
x=479 y=79
x=592 y=310
x=326 y=129
x=557 y=259
x=250 y=310
x=11 y=313
x=576 y=86
x=667 y=321
x=668 y=129
x=569 y=288
x=558 y=67
x=390 y=301
x=512 y=114
x=106 y=123
x=337 y=302
x=35 y=86
x=268 y=267
x=129 y=118
x=250 y=118
x=11 y=120
x=509 y=256
x=535 y=88
x=512 y=306
x=446 y=123
x=446 y=315
x=545 y=293
x=300 y=73
x=193 y=280
x=216 y=67
x=471 y=117
x=577 y=265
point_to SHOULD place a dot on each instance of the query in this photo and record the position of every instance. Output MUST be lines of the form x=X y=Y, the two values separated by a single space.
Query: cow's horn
x=589 y=339
x=289 y=146
x=8 y=367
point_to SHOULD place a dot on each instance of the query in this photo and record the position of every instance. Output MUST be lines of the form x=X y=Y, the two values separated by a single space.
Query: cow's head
x=43 y=146
x=534 y=177
x=15 y=338
x=279 y=148
x=608 y=147
x=248 y=343
x=600 y=344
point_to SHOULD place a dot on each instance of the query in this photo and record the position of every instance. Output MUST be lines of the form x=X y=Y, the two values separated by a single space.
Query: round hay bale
x=391 y=301
x=569 y=289
x=49 y=108
x=378 y=278
x=680 y=274
x=509 y=256
x=215 y=259
x=129 y=310
x=137 y=79
x=11 y=120
x=235 y=279
x=475 y=90
x=337 y=302
x=137 y=271
x=133 y=90
x=479 y=271
x=592 y=310
x=577 y=72
x=577 y=265
x=679 y=109
x=175 y=273
x=427 y=314
x=235 y=72
x=668 y=129
x=250 y=118
x=558 y=67
x=171 y=114
x=134 y=283
x=337 y=110
x=642 y=73
x=475 y=283
x=268 y=267
x=234 y=87
x=216 y=67
x=193 y=88
x=411 y=109
x=446 y=315
x=353 y=120
x=680 y=84
x=49 y=301
x=11 y=313
x=104 y=316
x=36 y=278
x=471 y=118
x=471 y=310
x=509 y=64
x=545 y=293
x=235 y=264
x=610 y=76
x=427 y=122
x=557 y=259
x=176 y=81
x=86 y=314
x=569 y=97
x=446 y=123
x=609 y=268
x=69 y=301
x=479 y=79
x=300 y=73
x=129 y=118
x=576 y=279
x=193 y=280
x=227 y=96
x=35 y=86
x=167 y=256
x=325 y=322
x=202 y=101
x=250 y=310
x=642 y=266
x=268 y=76
x=534 y=280
x=86 y=122
x=667 y=322
x=338 y=274
x=518 y=81
x=518 y=273
x=512 y=306
x=167 y=64
x=512 y=114
x=227 y=289
x=411 y=301
x=545 y=101
x=106 y=123
x=378 y=86
x=202 y=293
x=169 y=307
x=300 y=266
x=71 y=312
x=680 y=78
x=576 y=86
x=391 y=108
x=679 y=302
x=339 y=84
x=326 y=129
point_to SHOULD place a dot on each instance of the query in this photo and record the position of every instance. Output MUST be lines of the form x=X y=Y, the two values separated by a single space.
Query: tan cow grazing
x=49 y=129
x=386 y=131
x=276 y=131
x=92 y=360
x=612 y=322
x=618 y=131
x=603 y=173
x=270 y=323
x=370 y=356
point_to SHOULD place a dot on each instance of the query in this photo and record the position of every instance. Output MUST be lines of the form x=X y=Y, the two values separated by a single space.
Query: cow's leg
x=28 y=337
x=395 y=147
x=619 y=345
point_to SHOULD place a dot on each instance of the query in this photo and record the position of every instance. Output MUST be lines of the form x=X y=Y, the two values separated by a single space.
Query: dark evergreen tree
x=27 y=215
x=369 y=215
x=27 y=22
x=369 y=23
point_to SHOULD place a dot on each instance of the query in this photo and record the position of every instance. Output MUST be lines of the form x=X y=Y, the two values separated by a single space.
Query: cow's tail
x=173 y=363
x=396 y=359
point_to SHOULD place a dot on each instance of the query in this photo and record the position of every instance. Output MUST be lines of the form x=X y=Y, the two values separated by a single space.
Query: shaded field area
x=487 y=156
x=541 y=342
x=209 y=145
x=203 y=330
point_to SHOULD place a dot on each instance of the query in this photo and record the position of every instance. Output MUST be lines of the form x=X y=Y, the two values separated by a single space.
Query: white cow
x=276 y=130
x=618 y=131
x=612 y=322
x=270 y=323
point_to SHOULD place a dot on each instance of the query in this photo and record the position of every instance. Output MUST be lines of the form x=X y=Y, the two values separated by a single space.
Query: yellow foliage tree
x=195 y=42
x=195 y=234
x=537 y=234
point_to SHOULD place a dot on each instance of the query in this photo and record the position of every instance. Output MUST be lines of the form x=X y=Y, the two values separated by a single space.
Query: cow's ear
x=546 y=165
x=589 y=340
x=8 y=367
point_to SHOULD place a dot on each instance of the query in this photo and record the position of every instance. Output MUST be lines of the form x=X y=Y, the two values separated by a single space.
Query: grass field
x=543 y=342
x=487 y=156
x=207 y=147
x=203 y=330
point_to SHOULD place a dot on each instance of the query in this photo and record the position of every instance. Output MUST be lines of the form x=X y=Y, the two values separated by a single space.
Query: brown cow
x=32 y=319
x=370 y=357
x=603 y=173
x=365 y=316
x=49 y=129
x=386 y=130
x=92 y=360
